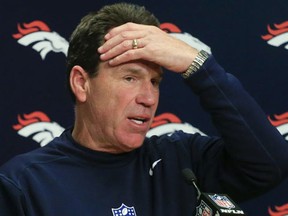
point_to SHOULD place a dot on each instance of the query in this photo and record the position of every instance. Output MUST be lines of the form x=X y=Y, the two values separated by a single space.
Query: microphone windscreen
x=189 y=176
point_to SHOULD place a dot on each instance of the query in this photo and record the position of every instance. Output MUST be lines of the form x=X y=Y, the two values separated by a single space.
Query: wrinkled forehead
x=139 y=66
x=144 y=66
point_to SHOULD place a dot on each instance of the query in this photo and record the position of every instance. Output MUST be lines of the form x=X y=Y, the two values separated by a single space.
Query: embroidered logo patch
x=124 y=210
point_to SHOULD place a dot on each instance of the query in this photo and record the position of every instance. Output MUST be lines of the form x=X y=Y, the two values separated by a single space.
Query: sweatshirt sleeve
x=11 y=198
x=254 y=155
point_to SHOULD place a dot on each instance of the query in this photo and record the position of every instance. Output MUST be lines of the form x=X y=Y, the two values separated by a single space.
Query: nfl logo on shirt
x=124 y=210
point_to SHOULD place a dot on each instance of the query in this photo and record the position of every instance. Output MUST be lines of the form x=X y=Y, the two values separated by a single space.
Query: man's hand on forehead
x=153 y=44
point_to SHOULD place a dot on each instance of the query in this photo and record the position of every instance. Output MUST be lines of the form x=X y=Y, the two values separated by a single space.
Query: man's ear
x=79 y=83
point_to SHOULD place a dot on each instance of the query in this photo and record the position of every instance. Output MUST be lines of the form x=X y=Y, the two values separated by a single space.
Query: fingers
x=119 y=41
x=122 y=35
x=125 y=27
x=124 y=38
x=122 y=43
x=153 y=45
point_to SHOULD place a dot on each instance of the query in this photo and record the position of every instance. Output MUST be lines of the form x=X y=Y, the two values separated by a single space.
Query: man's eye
x=129 y=79
x=155 y=82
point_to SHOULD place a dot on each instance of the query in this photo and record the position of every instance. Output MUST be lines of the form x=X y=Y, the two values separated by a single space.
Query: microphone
x=211 y=204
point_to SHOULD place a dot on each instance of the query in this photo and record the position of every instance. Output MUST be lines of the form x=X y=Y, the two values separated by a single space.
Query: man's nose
x=148 y=95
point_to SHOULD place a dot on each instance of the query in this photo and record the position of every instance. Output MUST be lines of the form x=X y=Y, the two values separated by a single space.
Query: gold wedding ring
x=134 y=44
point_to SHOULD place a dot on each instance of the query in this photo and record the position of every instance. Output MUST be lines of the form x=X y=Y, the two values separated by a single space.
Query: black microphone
x=211 y=204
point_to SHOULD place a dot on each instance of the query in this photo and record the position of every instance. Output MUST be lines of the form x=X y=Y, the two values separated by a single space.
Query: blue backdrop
x=248 y=38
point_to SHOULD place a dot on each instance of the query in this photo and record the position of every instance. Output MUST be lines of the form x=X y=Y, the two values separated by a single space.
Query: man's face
x=122 y=102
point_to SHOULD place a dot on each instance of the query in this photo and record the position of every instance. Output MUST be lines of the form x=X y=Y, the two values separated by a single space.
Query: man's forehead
x=139 y=66
x=142 y=65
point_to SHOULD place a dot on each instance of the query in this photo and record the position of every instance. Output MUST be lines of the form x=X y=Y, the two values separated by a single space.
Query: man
x=104 y=165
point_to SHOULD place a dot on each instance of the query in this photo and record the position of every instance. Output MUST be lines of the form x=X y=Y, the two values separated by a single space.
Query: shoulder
x=177 y=139
x=180 y=137
x=21 y=163
x=197 y=144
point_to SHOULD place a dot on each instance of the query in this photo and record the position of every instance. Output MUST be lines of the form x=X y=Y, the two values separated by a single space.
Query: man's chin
x=134 y=142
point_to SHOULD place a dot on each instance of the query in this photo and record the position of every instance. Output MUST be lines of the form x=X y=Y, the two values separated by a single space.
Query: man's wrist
x=197 y=63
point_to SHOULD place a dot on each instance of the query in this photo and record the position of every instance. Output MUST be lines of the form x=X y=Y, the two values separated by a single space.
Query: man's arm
x=255 y=155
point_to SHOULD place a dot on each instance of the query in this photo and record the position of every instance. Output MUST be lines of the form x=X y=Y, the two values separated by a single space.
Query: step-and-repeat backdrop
x=248 y=38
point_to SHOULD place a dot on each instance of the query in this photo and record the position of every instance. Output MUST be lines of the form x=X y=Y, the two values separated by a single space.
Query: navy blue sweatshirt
x=64 y=178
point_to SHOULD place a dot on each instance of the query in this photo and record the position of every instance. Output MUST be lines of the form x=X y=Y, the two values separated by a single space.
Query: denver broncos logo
x=167 y=123
x=42 y=39
x=279 y=210
x=277 y=36
x=281 y=123
x=174 y=31
x=38 y=125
